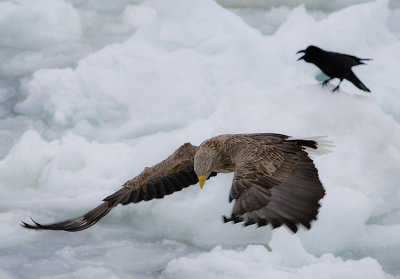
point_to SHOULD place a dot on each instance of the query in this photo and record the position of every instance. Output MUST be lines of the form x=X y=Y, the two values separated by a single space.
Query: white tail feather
x=324 y=146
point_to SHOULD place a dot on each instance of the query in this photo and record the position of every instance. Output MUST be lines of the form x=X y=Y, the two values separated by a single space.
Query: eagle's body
x=275 y=181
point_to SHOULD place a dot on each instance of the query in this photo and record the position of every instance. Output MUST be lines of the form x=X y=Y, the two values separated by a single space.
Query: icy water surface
x=91 y=92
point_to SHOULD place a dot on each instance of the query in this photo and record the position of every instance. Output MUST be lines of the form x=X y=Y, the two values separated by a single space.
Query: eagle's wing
x=169 y=176
x=275 y=183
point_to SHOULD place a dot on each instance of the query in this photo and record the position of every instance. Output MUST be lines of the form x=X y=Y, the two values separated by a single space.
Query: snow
x=288 y=260
x=101 y=90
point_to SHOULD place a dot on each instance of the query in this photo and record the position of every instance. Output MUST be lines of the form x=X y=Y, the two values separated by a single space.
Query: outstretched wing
x=276 y=184
x=169 y=176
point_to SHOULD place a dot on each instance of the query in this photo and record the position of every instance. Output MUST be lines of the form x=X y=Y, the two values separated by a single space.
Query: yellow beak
x=202 y=180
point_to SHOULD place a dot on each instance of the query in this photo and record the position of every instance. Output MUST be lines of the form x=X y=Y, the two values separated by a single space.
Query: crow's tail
x=352 y=77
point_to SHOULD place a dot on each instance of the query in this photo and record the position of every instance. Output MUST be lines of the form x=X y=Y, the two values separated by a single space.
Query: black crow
x=334 y=65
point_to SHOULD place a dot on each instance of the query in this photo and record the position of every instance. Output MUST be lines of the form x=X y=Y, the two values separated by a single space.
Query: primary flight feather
x=275 y=181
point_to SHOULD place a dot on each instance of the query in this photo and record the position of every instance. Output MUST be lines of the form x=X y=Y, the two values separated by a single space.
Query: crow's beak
x=301 y=51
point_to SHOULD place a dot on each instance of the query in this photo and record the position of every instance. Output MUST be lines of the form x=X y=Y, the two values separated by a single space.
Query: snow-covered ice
x=91 y=92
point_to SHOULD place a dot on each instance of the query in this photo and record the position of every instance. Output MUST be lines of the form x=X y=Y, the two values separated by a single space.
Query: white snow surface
x=92 y=92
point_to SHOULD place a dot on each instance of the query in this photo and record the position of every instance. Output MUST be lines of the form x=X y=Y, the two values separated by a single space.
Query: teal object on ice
x=321 y=77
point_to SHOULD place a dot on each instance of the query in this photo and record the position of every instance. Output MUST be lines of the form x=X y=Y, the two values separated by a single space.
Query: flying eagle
x=275 y=181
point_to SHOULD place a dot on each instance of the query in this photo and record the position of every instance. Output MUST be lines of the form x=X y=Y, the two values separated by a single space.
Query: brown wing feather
x=76 y=224
x=171 y=175
x=289 y=195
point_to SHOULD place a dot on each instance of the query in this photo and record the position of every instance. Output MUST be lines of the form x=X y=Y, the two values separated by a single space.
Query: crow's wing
x=356 y=60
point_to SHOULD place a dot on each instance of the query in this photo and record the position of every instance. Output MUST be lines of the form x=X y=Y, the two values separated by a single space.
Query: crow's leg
x=337 y=87
x=325 y=82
